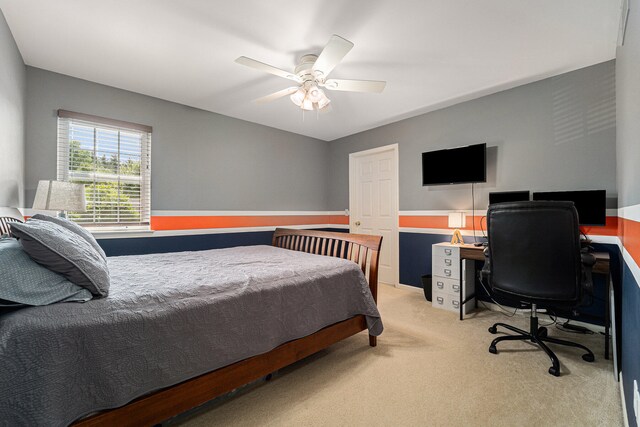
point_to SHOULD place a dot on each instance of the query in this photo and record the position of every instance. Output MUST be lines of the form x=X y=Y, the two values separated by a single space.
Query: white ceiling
x=432 y=53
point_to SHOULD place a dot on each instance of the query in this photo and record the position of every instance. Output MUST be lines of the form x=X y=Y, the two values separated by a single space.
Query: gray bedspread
x=168 y=318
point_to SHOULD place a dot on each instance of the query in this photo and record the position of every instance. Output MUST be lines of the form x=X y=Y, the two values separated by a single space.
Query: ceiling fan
x=311 y=75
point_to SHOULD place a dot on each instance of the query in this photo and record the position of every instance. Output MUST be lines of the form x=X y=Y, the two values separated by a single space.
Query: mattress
x=168 y=318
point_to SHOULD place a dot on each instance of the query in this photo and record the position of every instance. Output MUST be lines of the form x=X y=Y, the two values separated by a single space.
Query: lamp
x=60 y=196
x=310 y=97
x=457 y=221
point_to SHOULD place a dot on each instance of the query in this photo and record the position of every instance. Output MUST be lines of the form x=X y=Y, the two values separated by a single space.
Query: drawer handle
x=440 y=300
x=447 y=262
x=456 y=304
x=440 y=285
x=456 y=288
x=447 y=272
x=447 y=251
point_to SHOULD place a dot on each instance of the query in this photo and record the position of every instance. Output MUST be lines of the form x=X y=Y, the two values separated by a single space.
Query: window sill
x=115 y=233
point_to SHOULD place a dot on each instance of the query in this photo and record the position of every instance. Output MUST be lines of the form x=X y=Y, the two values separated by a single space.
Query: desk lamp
x=457 y=221
x=60 y=196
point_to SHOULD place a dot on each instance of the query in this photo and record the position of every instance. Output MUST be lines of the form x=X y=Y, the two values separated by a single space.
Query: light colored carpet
x=429 y=369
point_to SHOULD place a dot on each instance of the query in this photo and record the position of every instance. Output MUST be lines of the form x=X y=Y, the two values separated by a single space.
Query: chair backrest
x=534 y=251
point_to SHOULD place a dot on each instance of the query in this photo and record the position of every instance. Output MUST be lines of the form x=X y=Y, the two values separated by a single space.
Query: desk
x=476 y=253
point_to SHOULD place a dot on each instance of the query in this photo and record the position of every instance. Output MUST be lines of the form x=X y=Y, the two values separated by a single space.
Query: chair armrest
x=485 y=272
x=588 y=260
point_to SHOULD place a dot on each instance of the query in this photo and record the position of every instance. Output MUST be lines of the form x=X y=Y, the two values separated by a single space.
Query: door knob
x=357 y=223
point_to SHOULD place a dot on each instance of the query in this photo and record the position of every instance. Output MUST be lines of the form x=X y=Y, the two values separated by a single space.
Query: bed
x=225 y=318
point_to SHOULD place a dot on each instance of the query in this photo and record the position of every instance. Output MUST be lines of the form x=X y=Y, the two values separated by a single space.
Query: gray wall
x=555 y=134
x=12 y=114
x=199 y=160
x=628 y=111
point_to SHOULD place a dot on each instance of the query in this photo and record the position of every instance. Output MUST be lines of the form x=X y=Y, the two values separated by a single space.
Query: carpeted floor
x=428 y=369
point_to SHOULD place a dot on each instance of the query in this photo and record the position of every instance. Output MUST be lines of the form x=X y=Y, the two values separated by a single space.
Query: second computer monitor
x=508 y=196
x=590 y=204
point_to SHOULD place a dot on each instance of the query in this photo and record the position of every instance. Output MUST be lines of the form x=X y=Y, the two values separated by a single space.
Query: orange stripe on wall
x=609 y=229
x=630 y=236
x=200 y=222
x=424 y=221
x=441 y=221
x=338 y=219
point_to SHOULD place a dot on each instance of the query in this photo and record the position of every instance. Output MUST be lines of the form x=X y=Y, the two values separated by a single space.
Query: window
x=113 y=159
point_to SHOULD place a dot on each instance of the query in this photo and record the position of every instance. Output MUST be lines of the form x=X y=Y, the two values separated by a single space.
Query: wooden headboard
x=363 y=249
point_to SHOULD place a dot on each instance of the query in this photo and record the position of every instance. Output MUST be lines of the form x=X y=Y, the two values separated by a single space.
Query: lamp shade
x=60 y=196
x=456 y=219
x=11 y=213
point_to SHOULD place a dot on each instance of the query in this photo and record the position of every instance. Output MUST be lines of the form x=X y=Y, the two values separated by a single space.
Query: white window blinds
x=113 y=160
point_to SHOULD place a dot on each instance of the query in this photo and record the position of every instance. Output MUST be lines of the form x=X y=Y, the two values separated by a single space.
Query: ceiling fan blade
x=332 y=54
x=243 y=60
x=355 y=85
x=276 y=95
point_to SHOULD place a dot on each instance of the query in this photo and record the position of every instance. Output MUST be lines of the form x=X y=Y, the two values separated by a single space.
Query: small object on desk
x=478 y=244
x=457 y=220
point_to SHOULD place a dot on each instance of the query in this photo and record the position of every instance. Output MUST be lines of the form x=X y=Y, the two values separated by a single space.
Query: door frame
x=393 y=148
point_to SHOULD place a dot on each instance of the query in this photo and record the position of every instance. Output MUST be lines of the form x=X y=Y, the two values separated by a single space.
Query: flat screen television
x=508 y=196
x=590 y=204
x=455 y=165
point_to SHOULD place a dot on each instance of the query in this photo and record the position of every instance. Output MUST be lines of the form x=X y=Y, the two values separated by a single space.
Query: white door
x=373 y=203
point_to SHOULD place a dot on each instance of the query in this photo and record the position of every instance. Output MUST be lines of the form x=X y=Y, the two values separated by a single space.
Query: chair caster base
x=493 y=349
x=554 y=371
x=493 y=330
x=588 y=357
x=542 y=332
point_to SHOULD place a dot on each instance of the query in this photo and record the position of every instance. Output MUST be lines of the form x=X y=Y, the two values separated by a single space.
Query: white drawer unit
x=453 y=281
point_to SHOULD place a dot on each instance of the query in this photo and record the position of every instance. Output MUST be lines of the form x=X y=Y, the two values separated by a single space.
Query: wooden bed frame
x=166 y=403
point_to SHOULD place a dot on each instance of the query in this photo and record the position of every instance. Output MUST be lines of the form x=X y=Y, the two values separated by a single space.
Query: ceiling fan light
x=307 y=105
x=323 y=102
x=315 y=93
x=298 y=97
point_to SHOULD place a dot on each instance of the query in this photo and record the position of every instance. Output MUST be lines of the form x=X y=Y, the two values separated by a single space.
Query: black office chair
x=534 y=257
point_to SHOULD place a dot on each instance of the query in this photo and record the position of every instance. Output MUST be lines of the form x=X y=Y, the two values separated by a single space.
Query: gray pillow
x=25 y=282
x=64 y=252
x=70 y=225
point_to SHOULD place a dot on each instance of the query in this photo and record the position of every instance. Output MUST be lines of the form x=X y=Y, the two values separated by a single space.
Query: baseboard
x=495 y=307
x=624 y=404
x=595 y=328
x=409 y=287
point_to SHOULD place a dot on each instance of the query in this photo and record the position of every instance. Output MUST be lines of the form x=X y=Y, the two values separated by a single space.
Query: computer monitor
x=590 y=204
x=508 y=196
